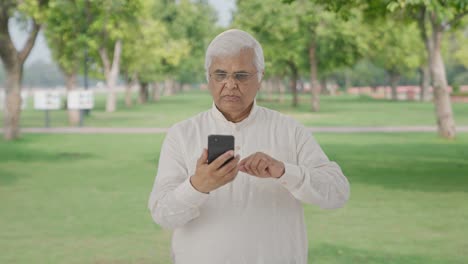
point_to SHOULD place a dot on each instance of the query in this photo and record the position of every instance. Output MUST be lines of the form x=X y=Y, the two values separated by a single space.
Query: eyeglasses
x=238 y=76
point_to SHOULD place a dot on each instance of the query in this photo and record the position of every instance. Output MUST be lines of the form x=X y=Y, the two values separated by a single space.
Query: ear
x=261 y=80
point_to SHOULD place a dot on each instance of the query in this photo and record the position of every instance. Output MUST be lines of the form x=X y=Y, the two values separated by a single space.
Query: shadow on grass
x=327 y=253
x=17 y=152
x=21 y=151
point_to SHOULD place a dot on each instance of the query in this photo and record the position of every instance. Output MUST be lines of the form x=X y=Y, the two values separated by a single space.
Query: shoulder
x=190 y=124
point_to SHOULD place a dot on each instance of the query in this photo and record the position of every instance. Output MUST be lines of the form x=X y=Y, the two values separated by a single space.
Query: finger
x=246 y=159
x=254 y=164
x=242 y=163
x=262 y=168
x=219 y=161
x=203 y=159
x=242 y=168
x=248 y=167
x=231 y=175
x=229 y=166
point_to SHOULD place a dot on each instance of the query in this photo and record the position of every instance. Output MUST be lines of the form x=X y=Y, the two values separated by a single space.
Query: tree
x=150 y=49
x=32 y=12
x=434 y=18
x=304 y=37
x=194 y=22
x=396 y=48
x=110 y=22
x=65 y=33
x=277 y=28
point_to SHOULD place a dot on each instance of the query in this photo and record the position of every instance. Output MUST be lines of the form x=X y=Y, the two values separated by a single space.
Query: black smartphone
x=218 y=145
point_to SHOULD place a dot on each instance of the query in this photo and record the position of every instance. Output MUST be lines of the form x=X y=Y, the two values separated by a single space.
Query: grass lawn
x=82 y=199
x=344 y=110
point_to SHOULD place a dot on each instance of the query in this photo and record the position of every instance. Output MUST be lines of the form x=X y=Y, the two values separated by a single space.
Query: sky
x=42 y=52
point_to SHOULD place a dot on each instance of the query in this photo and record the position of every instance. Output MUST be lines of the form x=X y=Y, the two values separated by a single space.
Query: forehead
x=243 y=61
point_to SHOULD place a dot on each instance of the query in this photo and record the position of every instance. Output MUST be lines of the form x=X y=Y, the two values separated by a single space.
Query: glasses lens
x=219 y=76
x=242 y=77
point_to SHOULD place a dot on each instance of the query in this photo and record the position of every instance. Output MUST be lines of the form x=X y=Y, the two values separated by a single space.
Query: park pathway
x=155 y=130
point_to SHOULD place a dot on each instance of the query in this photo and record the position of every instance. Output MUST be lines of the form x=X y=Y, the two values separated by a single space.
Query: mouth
x=231 y=98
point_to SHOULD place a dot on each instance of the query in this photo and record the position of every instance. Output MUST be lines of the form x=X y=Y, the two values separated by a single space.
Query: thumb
x=203 y=158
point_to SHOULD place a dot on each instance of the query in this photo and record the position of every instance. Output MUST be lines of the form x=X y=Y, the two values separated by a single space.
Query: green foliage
x=396 y=47
x=66 y=33
x=34 y=9
x=287 y=30
x=193 y=24
x=148 y=46
x=109 y=21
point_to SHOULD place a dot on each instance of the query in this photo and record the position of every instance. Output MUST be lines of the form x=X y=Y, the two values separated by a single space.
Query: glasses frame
x=234 y=75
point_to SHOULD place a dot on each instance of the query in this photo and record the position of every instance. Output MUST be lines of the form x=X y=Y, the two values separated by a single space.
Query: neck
x=237 y=117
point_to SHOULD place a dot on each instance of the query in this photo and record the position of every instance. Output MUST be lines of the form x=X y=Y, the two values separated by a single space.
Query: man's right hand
x=211 y=176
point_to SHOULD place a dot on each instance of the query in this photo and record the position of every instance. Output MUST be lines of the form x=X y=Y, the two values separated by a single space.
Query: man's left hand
x=261 y=165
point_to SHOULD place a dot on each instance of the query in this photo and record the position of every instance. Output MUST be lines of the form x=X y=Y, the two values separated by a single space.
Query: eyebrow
x=223 y=71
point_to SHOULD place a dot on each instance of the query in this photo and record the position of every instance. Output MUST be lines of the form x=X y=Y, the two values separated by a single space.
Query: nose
x=230 y=81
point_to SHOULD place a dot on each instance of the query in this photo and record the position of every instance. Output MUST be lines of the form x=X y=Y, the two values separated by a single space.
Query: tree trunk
x=12 y=109
x=156 y=92
x=293 y=82
x=144 y=93
x=73 y=114
x=282 y=90
x=424 y=82
x=426 y=71
x=443 y=105
x=347 y=79
x=130 y=83
x=128 y=94
x=394 y=80
x=168 y=87
x=13 y=61
x=314 y=83
x=323 y=86
x=111 y=72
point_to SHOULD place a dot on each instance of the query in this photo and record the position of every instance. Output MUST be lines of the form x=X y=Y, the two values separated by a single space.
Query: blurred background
x=88 y=89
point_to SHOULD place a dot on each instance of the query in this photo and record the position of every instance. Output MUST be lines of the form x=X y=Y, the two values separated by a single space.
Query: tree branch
x=457 y=18
x=117 y=52
x=23 y=54
x=105 y=61
x=8 y=51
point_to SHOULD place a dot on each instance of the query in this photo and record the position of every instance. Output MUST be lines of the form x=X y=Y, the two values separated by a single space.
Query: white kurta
x=250 y=220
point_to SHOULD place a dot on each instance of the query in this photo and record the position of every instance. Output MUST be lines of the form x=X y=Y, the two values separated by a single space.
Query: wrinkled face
x=233 y=82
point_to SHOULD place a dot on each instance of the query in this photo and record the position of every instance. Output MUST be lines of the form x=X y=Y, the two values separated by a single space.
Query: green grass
x=82 y=199
x=344 y=110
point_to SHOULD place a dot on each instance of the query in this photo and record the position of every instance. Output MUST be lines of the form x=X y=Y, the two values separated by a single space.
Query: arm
x=173 y=201
x=314 y=179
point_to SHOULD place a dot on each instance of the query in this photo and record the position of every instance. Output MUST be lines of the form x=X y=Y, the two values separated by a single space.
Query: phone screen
x=218 y=145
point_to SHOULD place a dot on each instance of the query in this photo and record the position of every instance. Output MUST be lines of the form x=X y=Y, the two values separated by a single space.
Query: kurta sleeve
x=173 y=200
x=314 y=179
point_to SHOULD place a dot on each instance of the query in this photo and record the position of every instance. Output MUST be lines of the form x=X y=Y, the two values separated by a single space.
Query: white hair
x=231 y=42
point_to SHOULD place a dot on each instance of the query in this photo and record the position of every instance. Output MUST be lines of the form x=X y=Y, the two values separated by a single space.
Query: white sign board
x=83 y=99
x=24 y=100
x=47 y=100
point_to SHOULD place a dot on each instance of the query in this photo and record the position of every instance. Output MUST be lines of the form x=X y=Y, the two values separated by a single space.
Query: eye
x=242 y=76
x=220 y=76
